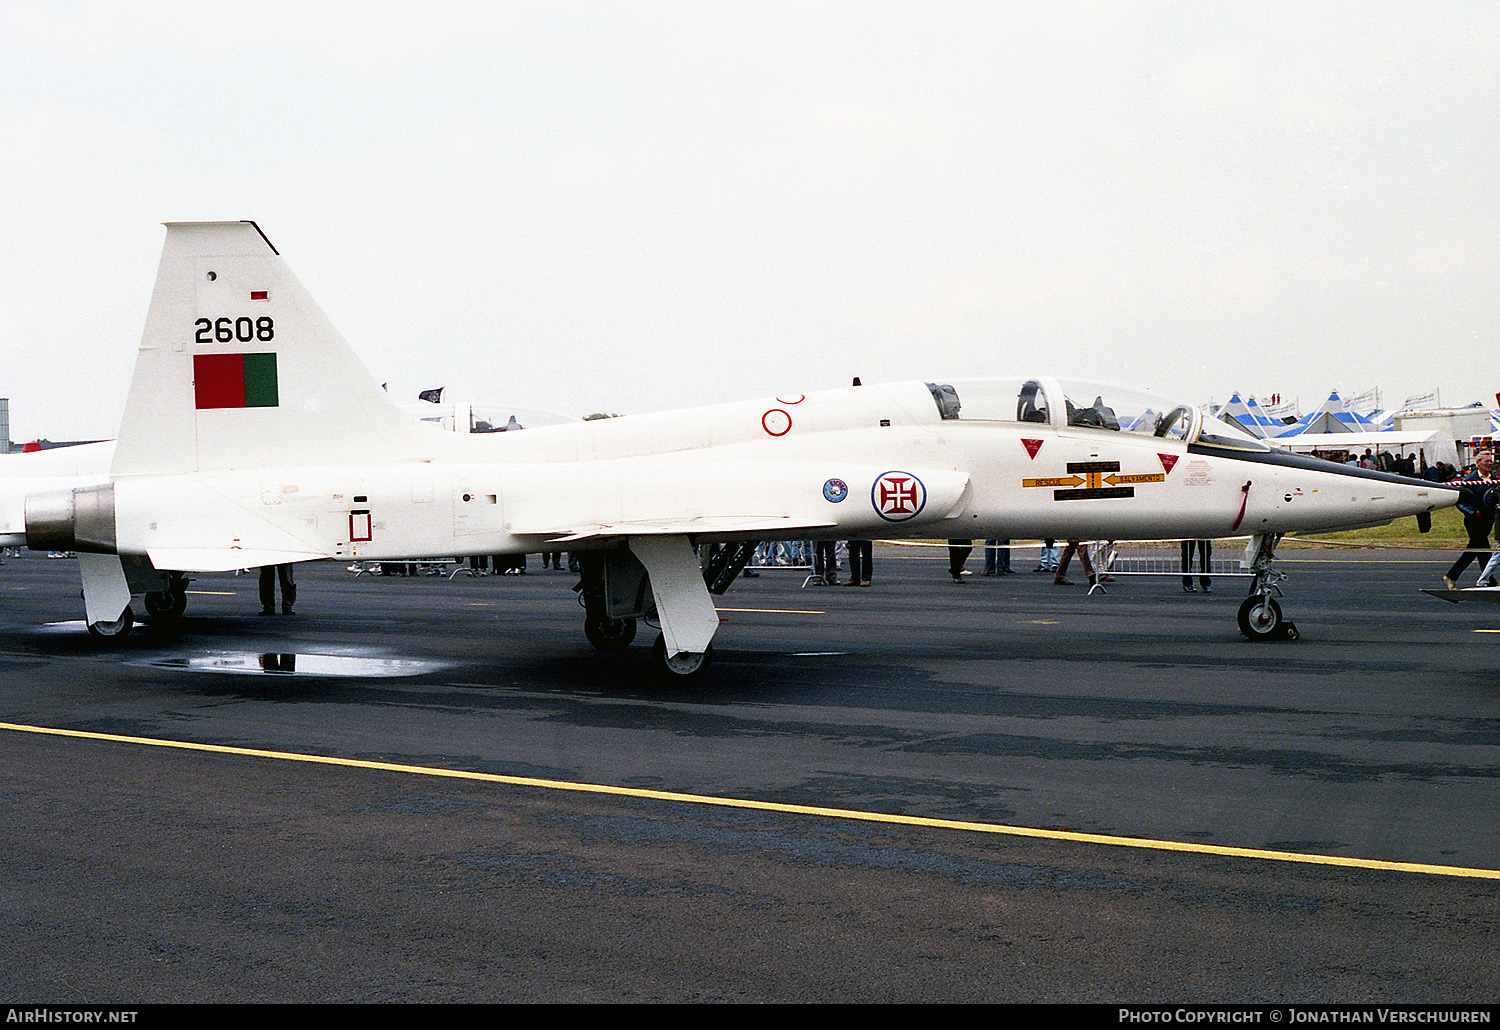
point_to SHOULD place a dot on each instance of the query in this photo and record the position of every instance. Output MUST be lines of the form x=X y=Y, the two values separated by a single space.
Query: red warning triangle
x=1032 y=446
x=1167 y=461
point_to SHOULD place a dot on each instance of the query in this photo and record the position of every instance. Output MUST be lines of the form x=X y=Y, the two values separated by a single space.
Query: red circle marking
x=792 y=400
x=776 y=422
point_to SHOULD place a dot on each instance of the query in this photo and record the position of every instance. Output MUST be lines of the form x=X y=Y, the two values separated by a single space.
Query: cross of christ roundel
x=898 y=496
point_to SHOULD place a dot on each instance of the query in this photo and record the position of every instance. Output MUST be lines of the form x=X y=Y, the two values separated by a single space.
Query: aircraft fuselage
x=856 y=462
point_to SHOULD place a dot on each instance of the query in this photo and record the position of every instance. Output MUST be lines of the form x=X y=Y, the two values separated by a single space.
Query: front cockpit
x=1086 y=405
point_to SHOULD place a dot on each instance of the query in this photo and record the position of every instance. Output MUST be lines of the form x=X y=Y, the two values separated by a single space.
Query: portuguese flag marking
x=234 y=381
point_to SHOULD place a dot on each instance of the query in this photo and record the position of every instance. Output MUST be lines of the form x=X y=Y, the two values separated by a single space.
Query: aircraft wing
x=722 y=499
x=223 y=559
x=767 y=527
x=1487 y=595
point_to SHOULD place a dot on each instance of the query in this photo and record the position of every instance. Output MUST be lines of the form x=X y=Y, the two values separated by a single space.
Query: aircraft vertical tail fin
x=240 y=368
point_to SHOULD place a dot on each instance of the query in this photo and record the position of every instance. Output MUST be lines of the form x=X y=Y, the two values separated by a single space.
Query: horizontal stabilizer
x=223 y=559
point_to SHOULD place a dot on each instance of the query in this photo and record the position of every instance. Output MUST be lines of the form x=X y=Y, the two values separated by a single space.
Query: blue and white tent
x=1329 y=418
x=1251 y=416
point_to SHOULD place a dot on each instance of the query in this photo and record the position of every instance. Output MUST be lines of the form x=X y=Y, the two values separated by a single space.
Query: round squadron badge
x=835 y=490
x=898 y=496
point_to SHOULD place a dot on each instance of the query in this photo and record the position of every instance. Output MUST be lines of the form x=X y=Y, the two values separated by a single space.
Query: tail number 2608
x=230 y=330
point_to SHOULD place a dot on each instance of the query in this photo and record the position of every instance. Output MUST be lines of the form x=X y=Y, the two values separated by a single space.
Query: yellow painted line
x=1263 y=854
x=775 y=611
x=214 y=593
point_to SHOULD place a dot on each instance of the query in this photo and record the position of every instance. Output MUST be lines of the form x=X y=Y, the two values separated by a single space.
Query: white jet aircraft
x=252 y=436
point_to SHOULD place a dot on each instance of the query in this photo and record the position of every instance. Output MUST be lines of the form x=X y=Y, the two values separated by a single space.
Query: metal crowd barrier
x=423 y=567
x=783 y=556
x=1164 y=558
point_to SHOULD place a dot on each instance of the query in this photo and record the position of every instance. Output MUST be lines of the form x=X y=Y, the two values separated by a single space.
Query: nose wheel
x=1261 y=619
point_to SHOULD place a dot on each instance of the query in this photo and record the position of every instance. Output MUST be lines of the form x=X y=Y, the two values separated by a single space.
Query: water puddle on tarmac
x=297 y=664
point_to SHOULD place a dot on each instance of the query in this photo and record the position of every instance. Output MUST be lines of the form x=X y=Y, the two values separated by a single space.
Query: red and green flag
x=234 y=381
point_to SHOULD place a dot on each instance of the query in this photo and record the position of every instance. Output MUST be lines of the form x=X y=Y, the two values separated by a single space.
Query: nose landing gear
x=1261 y=619
x=1260 y=616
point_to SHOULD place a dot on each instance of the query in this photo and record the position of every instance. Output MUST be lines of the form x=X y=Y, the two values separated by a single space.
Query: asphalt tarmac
x=440 y=792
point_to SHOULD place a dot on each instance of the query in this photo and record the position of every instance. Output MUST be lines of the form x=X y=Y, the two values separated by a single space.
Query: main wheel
x=1260 y=618
x=608 y=634
x=684 y=665
x=166 y=605
x=112 y=630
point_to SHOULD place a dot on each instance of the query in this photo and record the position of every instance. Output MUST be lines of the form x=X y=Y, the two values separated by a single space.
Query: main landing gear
x=109 y=583
x=164 y=607
x=612 y=634
x=657 y=580
x=683 y=664
x=1260 y=616
x=111 y=630
x=605 y=633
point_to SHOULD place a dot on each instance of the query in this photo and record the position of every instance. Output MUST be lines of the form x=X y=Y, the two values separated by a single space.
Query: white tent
x=1429 y=445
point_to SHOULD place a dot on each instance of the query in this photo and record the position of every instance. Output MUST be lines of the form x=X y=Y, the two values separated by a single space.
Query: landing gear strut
x=1260 y=616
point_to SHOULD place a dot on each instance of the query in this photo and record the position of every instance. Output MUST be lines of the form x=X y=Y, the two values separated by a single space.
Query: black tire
x=1260 y=618
x=165 y=605
x=113 y=630
x=608 y=634
x=685 y=666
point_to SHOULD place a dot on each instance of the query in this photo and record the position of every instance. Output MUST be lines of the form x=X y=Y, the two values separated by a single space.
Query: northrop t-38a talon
x=253 y=436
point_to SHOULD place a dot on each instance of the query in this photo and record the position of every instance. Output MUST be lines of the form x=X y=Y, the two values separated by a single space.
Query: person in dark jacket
x=1477 y=503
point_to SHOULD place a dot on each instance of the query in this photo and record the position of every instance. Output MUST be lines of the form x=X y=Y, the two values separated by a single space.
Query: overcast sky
x=635 y=205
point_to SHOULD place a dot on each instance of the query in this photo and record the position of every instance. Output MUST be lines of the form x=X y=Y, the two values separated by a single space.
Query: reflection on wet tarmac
x=291 y=663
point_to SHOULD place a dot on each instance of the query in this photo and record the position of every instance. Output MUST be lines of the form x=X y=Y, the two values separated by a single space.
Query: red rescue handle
x=1244 y=500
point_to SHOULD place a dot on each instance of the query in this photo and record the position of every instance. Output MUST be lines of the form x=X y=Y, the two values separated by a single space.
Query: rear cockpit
x=1082 y=404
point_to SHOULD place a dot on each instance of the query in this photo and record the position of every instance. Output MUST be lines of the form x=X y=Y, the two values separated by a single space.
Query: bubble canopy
x=1082 y=404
